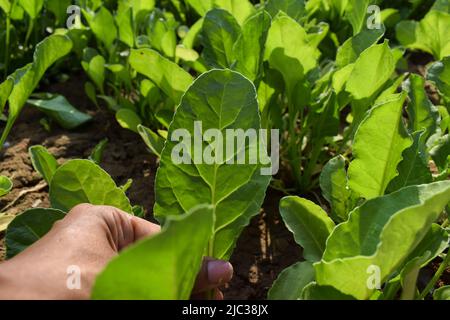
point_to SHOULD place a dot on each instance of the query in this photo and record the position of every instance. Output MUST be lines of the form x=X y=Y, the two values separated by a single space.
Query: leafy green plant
x=20 y=85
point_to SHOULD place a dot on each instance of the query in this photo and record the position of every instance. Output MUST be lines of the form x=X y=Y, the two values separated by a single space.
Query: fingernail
x=219 y=272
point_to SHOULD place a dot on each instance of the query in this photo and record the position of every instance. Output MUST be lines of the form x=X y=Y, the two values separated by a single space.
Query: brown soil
x=264 y=249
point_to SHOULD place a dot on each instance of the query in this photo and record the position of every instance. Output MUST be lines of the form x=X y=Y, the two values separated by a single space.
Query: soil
x=265 y=248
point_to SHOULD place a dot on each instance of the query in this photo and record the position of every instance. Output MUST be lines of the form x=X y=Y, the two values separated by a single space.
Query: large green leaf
x=163 y=267
x=5 y=185
x=248 y=51
x=291 y=281
x=221 y=100
x=32 y=7
x=43 y=162
x=372 y=70
x=29 y=227
x=82 y=181
x=167 y=75
x=289 y=51
x=377 y=149
x=26 y=79
x=381 y=233
x=309 y=223
x=430 y=34
x=59 y=109
x=334 y=186
x=293 y=8
x=352 y=48
x=219 y=33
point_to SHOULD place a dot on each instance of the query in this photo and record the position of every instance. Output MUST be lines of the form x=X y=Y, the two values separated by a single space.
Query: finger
x=143 y=228
x=213 y=274
x=218 y=295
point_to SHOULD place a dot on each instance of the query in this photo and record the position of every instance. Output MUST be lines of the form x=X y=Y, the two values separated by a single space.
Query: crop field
x=304 y=141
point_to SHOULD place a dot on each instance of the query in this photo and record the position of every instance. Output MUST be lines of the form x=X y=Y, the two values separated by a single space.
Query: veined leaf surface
x=220 y=99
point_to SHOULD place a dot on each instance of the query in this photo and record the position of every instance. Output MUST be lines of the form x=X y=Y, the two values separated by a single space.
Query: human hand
x=88 y=238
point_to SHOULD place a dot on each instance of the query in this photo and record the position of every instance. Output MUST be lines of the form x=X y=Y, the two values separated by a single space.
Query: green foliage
x=221 y=99
x=82 y=181
x=176 y=253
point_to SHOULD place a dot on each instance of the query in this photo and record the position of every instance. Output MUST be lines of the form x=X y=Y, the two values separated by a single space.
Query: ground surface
x=264 y=249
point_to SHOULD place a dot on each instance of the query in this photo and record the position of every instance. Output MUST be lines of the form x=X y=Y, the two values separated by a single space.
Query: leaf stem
x=409 y=287
x=8 y=35
x=436 y=277
x=30 y=29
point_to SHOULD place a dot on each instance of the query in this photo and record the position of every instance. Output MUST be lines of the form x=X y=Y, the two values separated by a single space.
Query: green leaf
x=309 y=223
x=124 y=23
x=432 y=245
x=167 y=75
x=26 y=79
x=439 y=73
x=240 y=9
x=313 y=291
x=440 y=152
x=381 y=233
x=29 y=227
x=59 y=109
x=443 y=293
x=97 y=153
x=5 y=90
x=5 y=185
x=5 y=5
x=377 y=149
x=200 y=6
x=152 y=140
x=293 y=8
x=289 y=51
x=372 y=70
x=429 y=35
x=356 y=12
x=422 y=114
x=291 y=281
x=352 y=48
x=413 y=169
x=82 y=181
x=219 y=33
x=176 y=253
x=221 y=100
x=94 y=65
x=43 y=162
x=128 y=119
x=102 y=25
x=334 y=186
x=59 y=9
x=248 y=51
x=32 y=7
